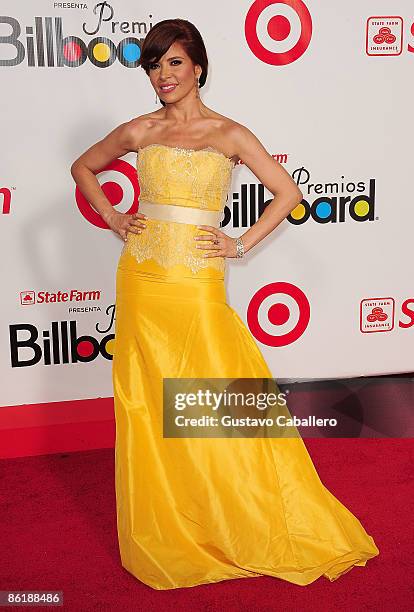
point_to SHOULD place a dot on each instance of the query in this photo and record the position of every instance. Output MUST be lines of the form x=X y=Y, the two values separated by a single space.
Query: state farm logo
x=28 y=298
x=278 y=314
x=377 y=315
x=278 y=32
x=384 y=36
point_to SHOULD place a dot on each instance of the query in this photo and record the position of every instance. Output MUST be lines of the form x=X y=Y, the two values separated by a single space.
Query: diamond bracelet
x=239 y=247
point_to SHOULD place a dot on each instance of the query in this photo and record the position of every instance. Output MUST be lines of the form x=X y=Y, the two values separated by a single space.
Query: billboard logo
x=59 y=345
x=45 y=45
x=334 y=209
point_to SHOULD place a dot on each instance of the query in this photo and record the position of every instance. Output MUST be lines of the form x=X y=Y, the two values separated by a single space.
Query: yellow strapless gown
x=200 y=510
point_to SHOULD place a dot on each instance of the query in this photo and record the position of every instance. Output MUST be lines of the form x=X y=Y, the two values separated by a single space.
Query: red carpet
x=59 y=533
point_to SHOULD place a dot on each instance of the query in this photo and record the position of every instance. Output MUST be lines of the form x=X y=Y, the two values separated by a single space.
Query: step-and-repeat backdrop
x=326 y=87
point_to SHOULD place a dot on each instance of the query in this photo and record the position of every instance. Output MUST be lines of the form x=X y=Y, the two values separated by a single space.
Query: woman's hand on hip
x=217 y=243
x=122 y=223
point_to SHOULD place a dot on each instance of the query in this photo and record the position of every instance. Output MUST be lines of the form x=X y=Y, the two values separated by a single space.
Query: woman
x=194 y=510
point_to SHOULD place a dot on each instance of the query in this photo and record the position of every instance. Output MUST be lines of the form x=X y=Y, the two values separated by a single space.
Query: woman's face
x=175 y=69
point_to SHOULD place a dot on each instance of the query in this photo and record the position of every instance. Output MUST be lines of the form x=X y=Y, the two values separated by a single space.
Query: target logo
x=278 y=314
x=121 y=188
x=278 y=32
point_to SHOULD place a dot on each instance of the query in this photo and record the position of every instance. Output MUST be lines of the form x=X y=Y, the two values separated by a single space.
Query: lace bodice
x=198 y=178
x=189 y=177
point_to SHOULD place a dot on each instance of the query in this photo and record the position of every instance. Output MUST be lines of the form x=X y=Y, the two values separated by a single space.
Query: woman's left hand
x=220 y=244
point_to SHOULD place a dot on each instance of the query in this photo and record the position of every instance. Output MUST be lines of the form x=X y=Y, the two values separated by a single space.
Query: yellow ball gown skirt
x=192 y=511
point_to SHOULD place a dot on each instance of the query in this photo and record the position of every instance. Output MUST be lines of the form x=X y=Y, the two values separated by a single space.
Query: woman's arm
x=122 y=140
x=274 y=177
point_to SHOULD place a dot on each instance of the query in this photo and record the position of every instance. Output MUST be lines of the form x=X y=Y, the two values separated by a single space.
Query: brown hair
x=160 y=38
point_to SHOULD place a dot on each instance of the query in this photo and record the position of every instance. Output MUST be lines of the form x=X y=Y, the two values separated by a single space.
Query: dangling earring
x=156 y=98
x=198 y=88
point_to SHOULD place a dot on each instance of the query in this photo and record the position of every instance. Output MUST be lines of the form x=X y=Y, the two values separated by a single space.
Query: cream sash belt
x=179 y=213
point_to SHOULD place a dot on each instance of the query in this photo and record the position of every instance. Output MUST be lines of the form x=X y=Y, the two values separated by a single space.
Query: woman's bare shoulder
x=140 y=126
x=229 y=132
x=149 y=119
x=229 y=127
